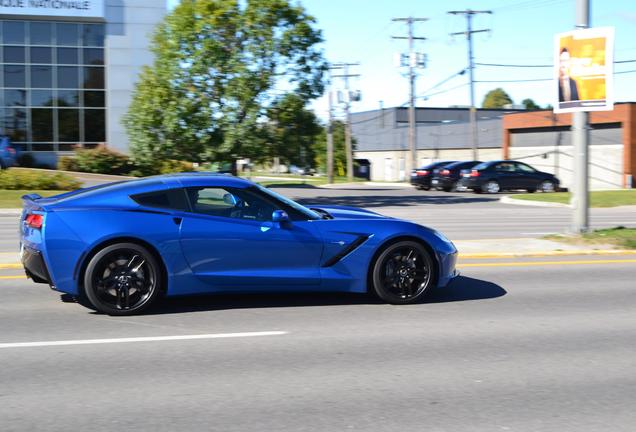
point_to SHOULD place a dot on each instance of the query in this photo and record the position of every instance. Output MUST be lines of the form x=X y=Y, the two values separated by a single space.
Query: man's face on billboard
x=564 y=64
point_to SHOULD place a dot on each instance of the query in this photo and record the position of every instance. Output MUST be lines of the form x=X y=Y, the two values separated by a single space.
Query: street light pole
x=580 y=141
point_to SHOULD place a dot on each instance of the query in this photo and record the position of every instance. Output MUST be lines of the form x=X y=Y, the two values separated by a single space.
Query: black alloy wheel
x=403 y=273
x=122 y=279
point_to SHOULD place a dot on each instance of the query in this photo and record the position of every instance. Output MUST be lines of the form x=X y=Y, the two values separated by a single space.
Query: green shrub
x=67 y=163
x=13 y=179
x=172 y=166
x=102 y=160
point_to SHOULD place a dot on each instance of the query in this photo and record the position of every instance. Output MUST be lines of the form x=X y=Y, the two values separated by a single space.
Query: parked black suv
x=421 y=177
x=495 y=176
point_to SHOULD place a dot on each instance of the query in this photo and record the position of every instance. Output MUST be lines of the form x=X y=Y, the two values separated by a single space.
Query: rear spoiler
x=30 y=203
x=31 y=197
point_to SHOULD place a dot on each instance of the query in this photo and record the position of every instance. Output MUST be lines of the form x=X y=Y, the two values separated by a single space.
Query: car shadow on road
x=461 y=289
x=464 y=288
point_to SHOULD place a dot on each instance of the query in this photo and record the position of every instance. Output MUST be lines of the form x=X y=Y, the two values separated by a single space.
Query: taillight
x=474 y=173
x=445 y=172
x=421 y=172
x=34 y=221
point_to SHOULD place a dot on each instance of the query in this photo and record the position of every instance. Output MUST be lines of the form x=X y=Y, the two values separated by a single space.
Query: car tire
x=491 y=187
x=425 y=188
x=123 y=279
x=403 y=273
x=451 y=188
x=547 y=186
x=531 y=190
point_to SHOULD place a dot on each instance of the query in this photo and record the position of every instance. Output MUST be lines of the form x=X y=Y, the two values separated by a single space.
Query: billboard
x=584 y=70
x=53 y=8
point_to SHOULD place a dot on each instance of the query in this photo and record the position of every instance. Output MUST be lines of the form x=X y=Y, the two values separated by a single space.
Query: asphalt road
x=536 y=348
x=535 y=344
x=460 y=216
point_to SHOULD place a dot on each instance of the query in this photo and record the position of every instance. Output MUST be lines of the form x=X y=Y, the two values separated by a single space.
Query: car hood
x=347 y=212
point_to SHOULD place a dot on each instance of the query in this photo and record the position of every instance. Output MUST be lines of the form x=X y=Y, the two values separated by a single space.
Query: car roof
x=124 y=188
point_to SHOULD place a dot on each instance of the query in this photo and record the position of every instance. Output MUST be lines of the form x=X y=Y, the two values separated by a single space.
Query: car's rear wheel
x=403 y=273
x=123 y=279
x=547 y=186
x=492 y=187
x=451 y=188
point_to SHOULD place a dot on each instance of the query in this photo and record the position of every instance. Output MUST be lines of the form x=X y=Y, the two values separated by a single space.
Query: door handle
x=177 y=220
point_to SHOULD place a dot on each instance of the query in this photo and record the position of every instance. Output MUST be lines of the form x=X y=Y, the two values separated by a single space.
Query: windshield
x=293 y=204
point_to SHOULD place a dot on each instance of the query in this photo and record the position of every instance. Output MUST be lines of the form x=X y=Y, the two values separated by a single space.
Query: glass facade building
x=52 y=84
x=68 y=73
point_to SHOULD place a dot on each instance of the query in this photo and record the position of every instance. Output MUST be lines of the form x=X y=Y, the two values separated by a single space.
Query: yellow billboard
x=584 y=70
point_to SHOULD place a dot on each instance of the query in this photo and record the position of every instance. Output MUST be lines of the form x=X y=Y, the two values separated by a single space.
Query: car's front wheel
x=547 y=186
x=403 y=273
x=123 y=279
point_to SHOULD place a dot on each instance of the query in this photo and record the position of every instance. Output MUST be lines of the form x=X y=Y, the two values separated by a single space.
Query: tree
x=292 y=131
x=496 y=98
x=529 y=104
x=339 y=151
x=217 y=64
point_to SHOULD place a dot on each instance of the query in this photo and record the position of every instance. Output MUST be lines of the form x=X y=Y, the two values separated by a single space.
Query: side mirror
x=280 y=216
x=231 y=200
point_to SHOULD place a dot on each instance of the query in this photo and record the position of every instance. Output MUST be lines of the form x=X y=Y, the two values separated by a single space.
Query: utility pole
x=471 y=66
x=412 y=64
x=330 y=140
x=580 y=141
x=347 y=101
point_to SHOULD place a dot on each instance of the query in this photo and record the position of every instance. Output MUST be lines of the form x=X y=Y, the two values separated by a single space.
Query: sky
x=522 y=32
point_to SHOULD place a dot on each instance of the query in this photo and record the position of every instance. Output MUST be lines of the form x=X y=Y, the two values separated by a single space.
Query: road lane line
x=544 y=263
x=7 y=266
x=140 y=339
x=13 y=277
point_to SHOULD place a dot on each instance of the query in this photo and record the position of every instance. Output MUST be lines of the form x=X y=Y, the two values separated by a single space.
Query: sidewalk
x=529 y=247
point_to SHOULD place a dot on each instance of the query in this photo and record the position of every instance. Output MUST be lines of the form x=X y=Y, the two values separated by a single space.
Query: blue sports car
x=119 y=247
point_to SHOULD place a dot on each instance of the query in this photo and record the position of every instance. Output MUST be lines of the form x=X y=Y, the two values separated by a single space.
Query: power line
x=445 y=91
x=536 y=65
x=515 y=80
x=445 y=80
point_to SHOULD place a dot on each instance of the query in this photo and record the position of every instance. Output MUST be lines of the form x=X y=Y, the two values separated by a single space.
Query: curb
x=547 y=253
x=508 y=200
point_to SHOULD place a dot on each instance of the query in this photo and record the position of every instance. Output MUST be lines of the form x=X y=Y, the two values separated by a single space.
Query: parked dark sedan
x=421 y=177
x=495 y=176
x=447 y=177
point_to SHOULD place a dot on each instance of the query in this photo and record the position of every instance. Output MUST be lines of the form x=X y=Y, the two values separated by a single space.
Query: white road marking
x=139 y=339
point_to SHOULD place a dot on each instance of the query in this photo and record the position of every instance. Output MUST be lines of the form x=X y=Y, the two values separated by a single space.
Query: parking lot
x=521 y=344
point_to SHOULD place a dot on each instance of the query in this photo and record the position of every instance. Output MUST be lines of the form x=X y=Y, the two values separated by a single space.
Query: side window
x=525 y=168
x=505 y=167
x=173 y=199
x=231 y=203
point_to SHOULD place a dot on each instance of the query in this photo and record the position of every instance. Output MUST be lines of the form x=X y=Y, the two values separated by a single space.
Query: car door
x=527 y=177
x=505 y=174
x=230 y=242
